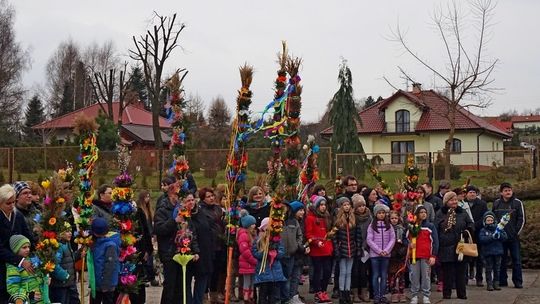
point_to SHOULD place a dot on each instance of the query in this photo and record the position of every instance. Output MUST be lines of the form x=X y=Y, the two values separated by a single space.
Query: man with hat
x=478 y=208
x=25 y=206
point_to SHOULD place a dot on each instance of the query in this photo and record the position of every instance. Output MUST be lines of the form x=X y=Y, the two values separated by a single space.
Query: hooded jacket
x=381 y=240
x=246 y=260
x=106 y=264
x=347 y=242
x=478 y=209
x=316 y=229
x=492 y=244
x=273 y=272
x=427 y=241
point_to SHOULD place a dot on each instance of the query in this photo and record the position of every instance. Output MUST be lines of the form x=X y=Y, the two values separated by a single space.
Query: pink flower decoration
x=48 y=200
x=128 y=279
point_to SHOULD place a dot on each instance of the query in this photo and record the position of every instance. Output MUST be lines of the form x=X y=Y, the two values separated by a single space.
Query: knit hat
x=264 y=224
x=380 y=207
x=19 y=187
x=448 y=196
x=246 y=220
x=99 y=226
x=295 y=206
x=488 y=214
x=65 y=227
x=471 y=188
x=17 y=241
x=342 y=200
x=358 y=200
x=316 y=200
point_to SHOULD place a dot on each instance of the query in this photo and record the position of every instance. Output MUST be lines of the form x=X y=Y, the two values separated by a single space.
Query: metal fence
x=35 y=163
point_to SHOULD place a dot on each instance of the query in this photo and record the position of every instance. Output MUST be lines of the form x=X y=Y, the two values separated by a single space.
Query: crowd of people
x=357 y=237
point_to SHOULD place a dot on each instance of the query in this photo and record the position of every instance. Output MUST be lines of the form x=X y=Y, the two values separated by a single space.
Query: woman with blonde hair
x=257 y=205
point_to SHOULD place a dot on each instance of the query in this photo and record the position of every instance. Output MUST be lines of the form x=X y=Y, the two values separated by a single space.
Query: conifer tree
x=33 y=115
x=344 y=117
x=137 y=85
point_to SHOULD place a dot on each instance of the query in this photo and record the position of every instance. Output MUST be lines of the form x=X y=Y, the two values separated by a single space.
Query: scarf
x=451 y=221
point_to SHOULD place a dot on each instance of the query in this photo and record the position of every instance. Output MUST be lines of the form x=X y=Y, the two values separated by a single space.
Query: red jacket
x=427 y=241
x=246 y=261
x=316 y=229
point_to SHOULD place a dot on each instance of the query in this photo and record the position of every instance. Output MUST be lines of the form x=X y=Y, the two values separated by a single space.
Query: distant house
x=415 y=122
x=136 y=129
x=524 y=122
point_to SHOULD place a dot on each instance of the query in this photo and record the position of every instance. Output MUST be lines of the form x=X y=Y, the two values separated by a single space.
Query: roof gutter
x=478 y=149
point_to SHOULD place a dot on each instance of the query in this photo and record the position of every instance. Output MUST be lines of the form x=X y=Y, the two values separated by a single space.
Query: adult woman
x=213 y=214
x=11 y=223
x=144 y=245
x=371 y=197
x=451 y=223
x=166 y=227
x=256 y=205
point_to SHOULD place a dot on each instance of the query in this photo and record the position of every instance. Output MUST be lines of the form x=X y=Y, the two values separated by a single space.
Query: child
x=427 y=246
x=268 y=281
x=293 y=242
x=246 y=261
x=105 y=252
x=318 y=225
x=347 y=246
x=63 y=288
x=298 y=210
x=492 y=250
x=380 y=239
x=361 y=265
x=22 y=286
x=396 y=273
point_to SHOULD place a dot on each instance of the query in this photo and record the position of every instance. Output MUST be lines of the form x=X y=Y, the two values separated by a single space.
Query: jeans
x=322 y=270
x=199 y=288
x=287 y=264
x=379 y=266
x=454 y=272
x=493 y=267
x=420 y=275
x=514 y=247
x=64 y=295
x=345 y=272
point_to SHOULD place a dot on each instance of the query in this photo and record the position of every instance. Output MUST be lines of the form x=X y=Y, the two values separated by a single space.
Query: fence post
x=535 y=162
x=430 y=169
x=11 y=165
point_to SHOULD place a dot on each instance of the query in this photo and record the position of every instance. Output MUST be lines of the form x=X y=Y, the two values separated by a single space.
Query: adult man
x=351 y=186
x=503 y=205
x=26 y=207
x=444 y=186
x=478 y=208
x=435 y=200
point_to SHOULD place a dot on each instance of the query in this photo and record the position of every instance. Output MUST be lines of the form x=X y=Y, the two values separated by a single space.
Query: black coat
x=435 y=200
x=448 y=240
x=478 y=209
x=517 y=219
x=348 y=242
x=213 y=216
x=165 y=228
x=144 y=244
x=8 y=228
x=206 y=241
x=259 y=213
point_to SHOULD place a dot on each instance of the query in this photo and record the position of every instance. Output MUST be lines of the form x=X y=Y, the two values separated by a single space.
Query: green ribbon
x=91 y=274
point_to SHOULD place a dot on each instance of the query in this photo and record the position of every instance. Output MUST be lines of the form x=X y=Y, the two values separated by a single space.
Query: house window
x=403 y=121
x=400 y=149
x=456 y=145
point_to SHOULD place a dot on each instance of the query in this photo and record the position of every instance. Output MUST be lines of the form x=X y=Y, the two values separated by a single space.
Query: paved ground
x=530 y=294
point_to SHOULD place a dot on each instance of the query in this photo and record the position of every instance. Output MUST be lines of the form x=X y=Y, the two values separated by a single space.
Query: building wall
x=525 y=125
x=491 y=147
x=401 y=103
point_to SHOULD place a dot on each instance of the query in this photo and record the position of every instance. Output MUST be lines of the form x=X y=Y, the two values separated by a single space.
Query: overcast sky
x=222 y=35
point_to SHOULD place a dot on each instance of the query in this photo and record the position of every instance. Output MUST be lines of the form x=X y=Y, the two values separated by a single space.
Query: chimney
x=416 y=88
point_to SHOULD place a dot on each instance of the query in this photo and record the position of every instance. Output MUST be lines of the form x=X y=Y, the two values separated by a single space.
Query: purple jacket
x=381 y=240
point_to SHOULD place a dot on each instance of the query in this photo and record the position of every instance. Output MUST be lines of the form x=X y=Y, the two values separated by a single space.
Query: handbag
x=466 y=249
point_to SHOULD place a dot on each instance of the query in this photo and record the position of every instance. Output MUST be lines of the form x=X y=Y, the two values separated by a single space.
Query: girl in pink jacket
x=380 y=239
x=246 y=261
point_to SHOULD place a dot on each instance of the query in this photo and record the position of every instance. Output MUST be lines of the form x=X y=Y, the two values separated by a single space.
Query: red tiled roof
x=526 y=118
x=132 y=114
x=497 y=122
x=434 y=112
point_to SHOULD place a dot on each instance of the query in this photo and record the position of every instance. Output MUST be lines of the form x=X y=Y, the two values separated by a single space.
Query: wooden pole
x=228 y=280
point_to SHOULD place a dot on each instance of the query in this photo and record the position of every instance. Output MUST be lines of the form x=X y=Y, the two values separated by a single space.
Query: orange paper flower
x=52 y=221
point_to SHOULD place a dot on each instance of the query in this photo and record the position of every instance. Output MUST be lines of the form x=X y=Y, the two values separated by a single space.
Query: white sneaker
x=414 y=300
x=426 y=300
x=295 y=300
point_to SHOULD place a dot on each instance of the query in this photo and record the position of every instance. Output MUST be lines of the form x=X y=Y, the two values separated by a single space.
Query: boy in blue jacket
x=105 y=252
x=492 y=250
x=63 y=287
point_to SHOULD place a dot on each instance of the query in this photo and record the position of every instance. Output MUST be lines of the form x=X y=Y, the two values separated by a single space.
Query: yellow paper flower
x=49 y=266
x=60 y=200
x=54 y=243
x=45 y=184
x=182 y=259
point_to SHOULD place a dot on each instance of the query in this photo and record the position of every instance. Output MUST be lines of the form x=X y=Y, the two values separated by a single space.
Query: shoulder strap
x=14 y=219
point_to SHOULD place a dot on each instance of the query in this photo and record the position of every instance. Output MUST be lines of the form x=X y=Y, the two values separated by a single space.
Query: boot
x=364 y=294
x=206 y=299
x=348 y=297
x=342 y=297
x=394 y=298
x=214 y=298
x=496 y=285
x=355 y=298
x=489 y=287
x=403 y=298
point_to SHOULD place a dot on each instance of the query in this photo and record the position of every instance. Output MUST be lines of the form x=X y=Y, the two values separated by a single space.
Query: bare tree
x=467 y=74
x=153 y=49
x=195 y=109
x=219 y=114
